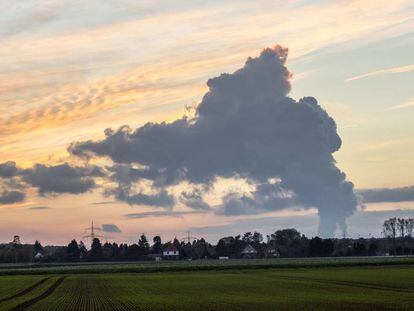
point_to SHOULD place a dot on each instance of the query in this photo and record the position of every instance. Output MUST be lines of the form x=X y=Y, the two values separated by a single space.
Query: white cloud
x=407 y=104
x=393 y=70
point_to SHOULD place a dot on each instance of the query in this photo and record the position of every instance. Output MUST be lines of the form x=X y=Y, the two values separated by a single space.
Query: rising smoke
x=245 y=127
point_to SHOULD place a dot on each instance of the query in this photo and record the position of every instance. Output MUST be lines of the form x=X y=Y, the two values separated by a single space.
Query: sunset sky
x=71 y=69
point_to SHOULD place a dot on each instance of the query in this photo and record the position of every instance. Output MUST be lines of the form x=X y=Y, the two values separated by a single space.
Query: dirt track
x=25 y=291
x=45 y=294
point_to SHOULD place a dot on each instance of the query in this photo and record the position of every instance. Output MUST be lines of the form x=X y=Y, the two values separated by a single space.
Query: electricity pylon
x=188 y=238
x=90 y=233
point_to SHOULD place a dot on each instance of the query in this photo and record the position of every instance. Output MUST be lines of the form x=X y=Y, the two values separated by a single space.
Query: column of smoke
x=245 y=127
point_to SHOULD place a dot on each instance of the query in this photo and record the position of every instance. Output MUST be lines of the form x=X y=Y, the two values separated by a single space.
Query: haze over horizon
x=146 y=118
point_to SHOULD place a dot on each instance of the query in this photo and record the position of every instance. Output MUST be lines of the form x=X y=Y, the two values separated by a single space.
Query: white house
x=248 y=252
x=169 y=251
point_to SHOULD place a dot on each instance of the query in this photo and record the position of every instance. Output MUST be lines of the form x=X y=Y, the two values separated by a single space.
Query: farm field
x=323 y=288
x=198 y=265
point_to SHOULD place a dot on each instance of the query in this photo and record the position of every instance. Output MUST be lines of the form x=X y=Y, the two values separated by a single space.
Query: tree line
x=398 y=240
x=400 y=231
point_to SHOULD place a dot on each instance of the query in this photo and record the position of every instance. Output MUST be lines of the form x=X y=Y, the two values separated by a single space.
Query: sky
x=69 y=70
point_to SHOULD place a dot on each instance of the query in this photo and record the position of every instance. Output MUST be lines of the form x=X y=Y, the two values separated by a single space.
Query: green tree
x=257 y=237
x=287 y=241
x=224 y=246
x=107 y=251
x=115 y=251
x=73 y=250
x=248 y=237
x=372 y=248
x=96 y=250
x=143 y=246
x=82 y=249
x=38 y=248
x=157 y=246
x=359 y=248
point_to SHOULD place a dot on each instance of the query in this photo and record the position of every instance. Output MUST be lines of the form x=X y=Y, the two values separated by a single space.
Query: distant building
x=15 y=244
x=169 y=251
x=272 y=252
x=51 y=251
x=38 y=256
x=227 y=240
x=156 y=257
x=248 y=252
x=16 y=240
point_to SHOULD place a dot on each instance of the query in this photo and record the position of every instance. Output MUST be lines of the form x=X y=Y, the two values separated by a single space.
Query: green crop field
x=199 y=265
x=307 y=288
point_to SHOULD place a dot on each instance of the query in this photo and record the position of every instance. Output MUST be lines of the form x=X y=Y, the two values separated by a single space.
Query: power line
x=91 y=234
x=188 y=238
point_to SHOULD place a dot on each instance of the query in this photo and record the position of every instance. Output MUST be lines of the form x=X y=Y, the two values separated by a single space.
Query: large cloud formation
x=245 y=127
x=387 y=195
x=48 y=180
x=11 y=189
x=8 y=169
x=62 y=178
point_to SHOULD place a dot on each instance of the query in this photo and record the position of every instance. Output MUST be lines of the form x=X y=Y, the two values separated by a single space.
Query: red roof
x=169 y=247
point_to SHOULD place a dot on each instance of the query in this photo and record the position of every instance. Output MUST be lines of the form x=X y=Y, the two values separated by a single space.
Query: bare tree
x=401 y=226
x=390 y=230
x=409 y=227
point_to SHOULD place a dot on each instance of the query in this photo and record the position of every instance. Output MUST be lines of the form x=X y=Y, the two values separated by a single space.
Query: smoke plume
x=245 y=127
